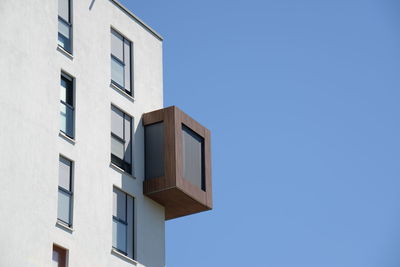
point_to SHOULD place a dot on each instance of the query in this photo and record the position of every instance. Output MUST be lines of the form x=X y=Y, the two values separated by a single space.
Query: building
x=92 y=164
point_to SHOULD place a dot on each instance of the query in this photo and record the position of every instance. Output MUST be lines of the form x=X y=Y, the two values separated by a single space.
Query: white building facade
x=77 y=78
x=35 y=148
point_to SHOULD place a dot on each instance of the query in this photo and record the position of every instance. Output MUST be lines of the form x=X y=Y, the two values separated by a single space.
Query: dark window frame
x=68 y=192
x=71 y=80
x=122 y=163
x=119 y=86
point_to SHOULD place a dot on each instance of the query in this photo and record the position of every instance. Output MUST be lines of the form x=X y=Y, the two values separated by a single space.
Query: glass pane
x=127 y=138
x=119 y=235
x=154 y=150
x=114 y=234
x=66 y=90
x=63 y=91
x=63 y=118
x=130 y=229
x=119 y=204
x=63 y=28
x=117 y=122
x=117 y=148
x=117 y=72
x=64 y=42
x=64 y=174
x=66 y=120
x=56 y=258
x=127 y=61
x=117 y=45
x=63 y=9
x=64 y=39
x=192 y=146
x=64 y=203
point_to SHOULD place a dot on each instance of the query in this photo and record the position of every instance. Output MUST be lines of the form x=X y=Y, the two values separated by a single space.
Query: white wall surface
x=30 y=145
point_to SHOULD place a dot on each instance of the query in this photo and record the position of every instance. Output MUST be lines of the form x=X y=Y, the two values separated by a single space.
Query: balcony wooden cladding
x=178 y=195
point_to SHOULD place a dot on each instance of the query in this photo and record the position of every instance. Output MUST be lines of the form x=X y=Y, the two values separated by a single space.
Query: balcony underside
x=177 y=203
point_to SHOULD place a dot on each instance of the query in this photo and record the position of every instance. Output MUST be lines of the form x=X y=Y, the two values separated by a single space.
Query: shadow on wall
x=133 y=184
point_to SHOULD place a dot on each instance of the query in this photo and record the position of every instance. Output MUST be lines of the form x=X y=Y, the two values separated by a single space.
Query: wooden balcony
x=178 y=162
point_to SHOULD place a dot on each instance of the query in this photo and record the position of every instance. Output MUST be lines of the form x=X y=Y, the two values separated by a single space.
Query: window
x=64 y=25
x=193 y=157
x=154 y=150
x=65 y=196
x=121 y=62
x=59 y=257
x=121 y=139
x=67 y=105
x=123 y=231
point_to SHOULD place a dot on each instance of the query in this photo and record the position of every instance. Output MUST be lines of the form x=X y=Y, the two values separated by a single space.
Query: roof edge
x=135 y=18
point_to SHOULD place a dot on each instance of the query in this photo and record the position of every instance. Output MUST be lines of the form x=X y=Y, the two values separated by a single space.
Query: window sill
x=123 y=257
x=66 y=138
x=122 y=92
x=65 y=52
x=64 y=227
x=122 y=171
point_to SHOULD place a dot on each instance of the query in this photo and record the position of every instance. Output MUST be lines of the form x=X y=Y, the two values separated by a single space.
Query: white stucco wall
x=30 y=145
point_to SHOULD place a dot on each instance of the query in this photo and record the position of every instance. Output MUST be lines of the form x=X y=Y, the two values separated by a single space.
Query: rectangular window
x=121 y=139
x=59 y=257
x=64 y=25
x=65 y=194
x=123 y=230
x=121 y=74
x=154 y=150
x=193 y=157
x=67 y=105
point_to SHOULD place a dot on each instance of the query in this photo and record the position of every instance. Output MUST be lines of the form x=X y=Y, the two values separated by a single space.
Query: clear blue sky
x=302 y=98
